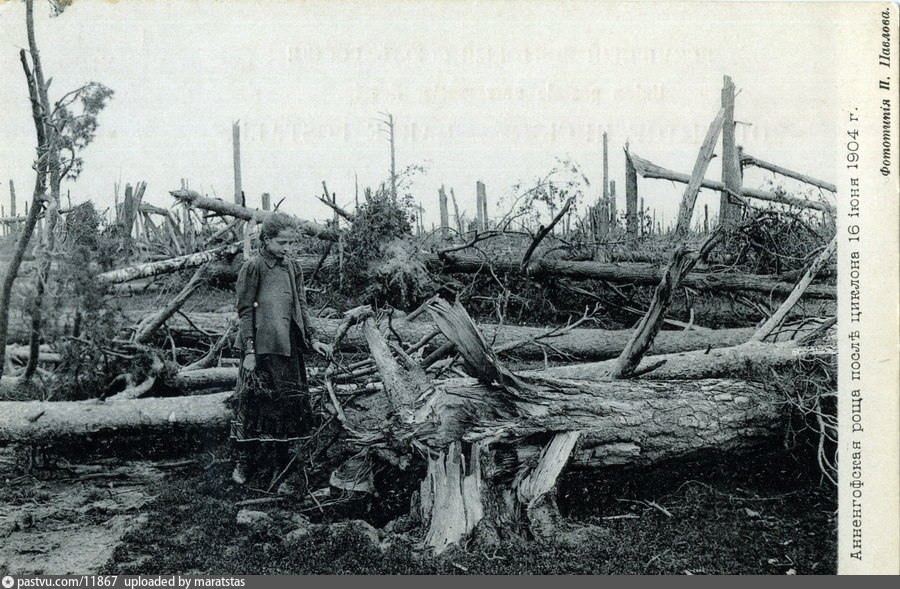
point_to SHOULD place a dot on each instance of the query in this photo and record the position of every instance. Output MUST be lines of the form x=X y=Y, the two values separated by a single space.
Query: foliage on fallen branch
x=810 y=393
x=777 y=242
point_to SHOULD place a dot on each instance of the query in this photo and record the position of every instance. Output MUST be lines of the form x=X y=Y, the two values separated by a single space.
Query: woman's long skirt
x=271 y=404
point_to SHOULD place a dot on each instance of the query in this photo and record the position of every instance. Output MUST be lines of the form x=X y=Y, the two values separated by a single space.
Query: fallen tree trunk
x=205 y=378
x=748 y=360
x=85 y=417
x=500 y=412
x=452 y=262
x=36 y=422
x=633 y=422
x=168 y=266
x=748 y=159
x=642 y=274
x=196 y=200
x=648 y=169
x=227 y=272
x=577 y=344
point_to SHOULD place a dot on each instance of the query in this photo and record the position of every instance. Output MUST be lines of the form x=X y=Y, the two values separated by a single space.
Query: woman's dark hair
x=275 y=224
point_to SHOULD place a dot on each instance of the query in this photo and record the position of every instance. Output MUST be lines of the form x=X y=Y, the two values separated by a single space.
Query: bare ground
x=762 y=513
x=66 y=518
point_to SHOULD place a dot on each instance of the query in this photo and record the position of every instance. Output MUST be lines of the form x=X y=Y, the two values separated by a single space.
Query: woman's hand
x=250 y=361
x=323 y=349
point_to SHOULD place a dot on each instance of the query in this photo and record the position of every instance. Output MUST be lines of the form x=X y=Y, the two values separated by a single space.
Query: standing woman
x=272 y=407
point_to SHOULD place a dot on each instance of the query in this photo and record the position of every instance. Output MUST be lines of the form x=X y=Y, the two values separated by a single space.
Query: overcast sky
x=491 y=91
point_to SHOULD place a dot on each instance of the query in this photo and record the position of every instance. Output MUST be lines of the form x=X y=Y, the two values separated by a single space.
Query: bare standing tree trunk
x=51 y=153
x=49 y=244
x=40 y=183
x=459 y=225
x=389 y=127
x=631 y=197
x=445 y=215
x=731 y=166
x=14 y=228
x=613 y=208
x=480 y=197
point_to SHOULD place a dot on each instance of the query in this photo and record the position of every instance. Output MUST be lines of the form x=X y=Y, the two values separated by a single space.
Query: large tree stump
x=451 y=496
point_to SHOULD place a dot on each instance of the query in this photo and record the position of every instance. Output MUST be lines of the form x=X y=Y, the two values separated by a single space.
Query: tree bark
x=170 y=265
x=445 y=214
x=754 y=161
x=36 y=422
x=631 y=198
x=451 y=496
x=642 y=274
x=199 y=379
x=746 y=360
x=247 y=214
x=40 y=287
x=648 y=169
x=729 y=210
x=686 y=210
x=577 y=344
x=149 y=326
x=716 y=366
x=38 y=199
x=186 y=262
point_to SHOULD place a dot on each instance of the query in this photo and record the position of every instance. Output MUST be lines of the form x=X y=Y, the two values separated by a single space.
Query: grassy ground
x=760 y=514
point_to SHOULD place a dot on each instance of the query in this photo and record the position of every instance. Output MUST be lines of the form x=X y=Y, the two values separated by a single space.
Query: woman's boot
x=241 y=465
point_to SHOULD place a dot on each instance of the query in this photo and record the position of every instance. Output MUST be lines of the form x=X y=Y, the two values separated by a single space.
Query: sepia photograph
x=447 y=288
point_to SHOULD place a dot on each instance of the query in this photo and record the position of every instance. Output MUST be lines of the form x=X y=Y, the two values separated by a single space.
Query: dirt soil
x=68 y=519
x=759 y=513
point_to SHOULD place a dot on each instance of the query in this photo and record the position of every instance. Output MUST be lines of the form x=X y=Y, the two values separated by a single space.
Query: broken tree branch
x=754 y=161
x=210 y=359
x=693 y=186
x=148 y=327
x=775 y=320
x=544 y=232
x=337 y=209
x=682 y=262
